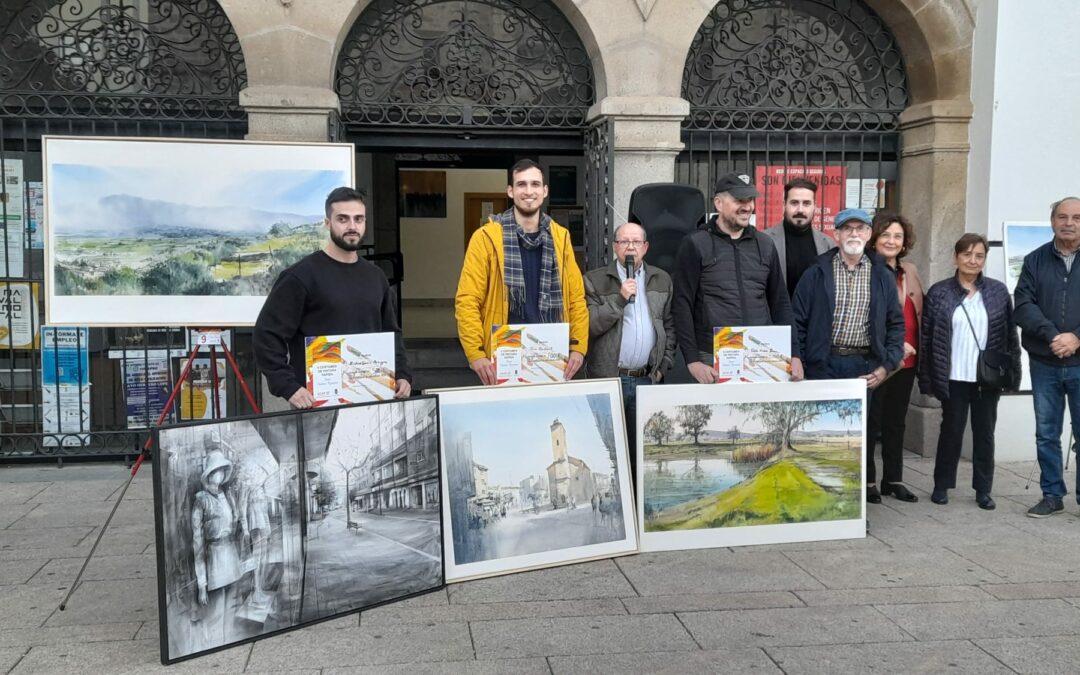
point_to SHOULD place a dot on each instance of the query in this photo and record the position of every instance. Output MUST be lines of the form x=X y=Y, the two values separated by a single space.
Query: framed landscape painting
x=271 y=522
x=755 y=463
x=161 y=232
x=535 y=476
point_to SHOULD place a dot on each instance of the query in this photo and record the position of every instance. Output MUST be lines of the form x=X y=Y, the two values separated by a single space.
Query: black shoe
x=1047 y=507
x=985 y=501
x=900 y=491
x=872 y=495
x=939 y=496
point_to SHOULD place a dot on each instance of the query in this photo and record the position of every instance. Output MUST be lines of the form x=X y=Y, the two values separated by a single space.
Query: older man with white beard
x=848 y=320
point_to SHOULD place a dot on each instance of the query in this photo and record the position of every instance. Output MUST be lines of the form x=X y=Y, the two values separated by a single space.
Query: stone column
x=933 y=189
x=288 y=112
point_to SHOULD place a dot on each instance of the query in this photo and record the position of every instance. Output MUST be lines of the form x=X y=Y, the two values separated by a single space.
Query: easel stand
x=204 y=338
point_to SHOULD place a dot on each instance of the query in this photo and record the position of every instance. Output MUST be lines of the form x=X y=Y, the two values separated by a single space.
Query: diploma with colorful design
x=350 y=368
x=752 y=353
x=530 y=352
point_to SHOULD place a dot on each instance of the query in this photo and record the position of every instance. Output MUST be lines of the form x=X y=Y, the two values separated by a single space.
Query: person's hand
x=875 y=378
x=1064 y=345
x=202 y=596
x=908 y=350
x=701 y=372
x=628 y=289
x=573 y=364
x=484 y=369
x=403 y=389
x=301 y=399
x=797 y=373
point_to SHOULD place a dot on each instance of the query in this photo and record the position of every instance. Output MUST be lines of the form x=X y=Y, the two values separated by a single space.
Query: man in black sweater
x=330 y=292
x=797 y=242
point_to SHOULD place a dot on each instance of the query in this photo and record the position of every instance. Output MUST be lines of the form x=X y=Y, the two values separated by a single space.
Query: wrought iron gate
x=599 y=193
x=164 y=68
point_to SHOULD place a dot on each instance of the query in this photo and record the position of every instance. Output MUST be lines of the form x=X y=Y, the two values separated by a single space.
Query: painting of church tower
x=567 y=476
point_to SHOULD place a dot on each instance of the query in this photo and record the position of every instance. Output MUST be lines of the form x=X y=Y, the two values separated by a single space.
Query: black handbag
x=993 y=370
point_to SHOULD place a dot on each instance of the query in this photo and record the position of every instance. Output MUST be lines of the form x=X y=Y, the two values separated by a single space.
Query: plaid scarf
x=551 y=299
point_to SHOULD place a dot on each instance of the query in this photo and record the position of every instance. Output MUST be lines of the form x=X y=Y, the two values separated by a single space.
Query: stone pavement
x=932 y=589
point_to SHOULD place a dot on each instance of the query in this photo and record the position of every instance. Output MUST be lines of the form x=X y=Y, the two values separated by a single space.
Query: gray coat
x=606 y=307
x=822 y=242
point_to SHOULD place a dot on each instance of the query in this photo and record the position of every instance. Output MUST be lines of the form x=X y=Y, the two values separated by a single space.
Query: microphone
x=630 y=274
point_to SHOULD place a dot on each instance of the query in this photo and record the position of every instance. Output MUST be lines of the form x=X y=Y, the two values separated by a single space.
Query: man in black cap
x=727 y=275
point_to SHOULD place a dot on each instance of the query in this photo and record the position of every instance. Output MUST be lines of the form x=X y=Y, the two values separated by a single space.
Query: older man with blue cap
x=848 y=320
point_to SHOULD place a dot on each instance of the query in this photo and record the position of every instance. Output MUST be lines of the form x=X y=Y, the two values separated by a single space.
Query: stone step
x=432 y=353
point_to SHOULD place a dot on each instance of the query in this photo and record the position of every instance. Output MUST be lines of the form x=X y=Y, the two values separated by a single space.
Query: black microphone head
x=630 y=262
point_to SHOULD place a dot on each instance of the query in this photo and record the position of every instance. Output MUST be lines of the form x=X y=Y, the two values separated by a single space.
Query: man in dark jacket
x=727 y=275
x=1048 y=313
x=631 y=334
x=848 y=320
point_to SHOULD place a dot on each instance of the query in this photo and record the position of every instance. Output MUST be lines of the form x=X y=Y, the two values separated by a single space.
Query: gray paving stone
x=9 y=657
x=1051 y=655
x=44 y=537
x=696 y=602
x=600 y=579
x=797 y=626
x=895 y=596
x=1018 y=564
x=20 y=571
x=69 y=512
x=124 y=601
x=11 y=513
x=78 y=551
x=899 y=567
x=101 y=568
x=119 y=534
x=28 y=606
x=520 y=638
x=493 y=667
x=99 y=490
x=131 y=656
x=861 y=544
x=714 y=571
x=18 y=493
x=915 y=658
x=106 y=632
x=403 y=643
x=998 y=618
x=392 y=613
x=667 y=663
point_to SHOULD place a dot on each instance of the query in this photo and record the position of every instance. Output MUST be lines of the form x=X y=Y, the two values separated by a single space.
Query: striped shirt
x=964 y=357
x=851 y=316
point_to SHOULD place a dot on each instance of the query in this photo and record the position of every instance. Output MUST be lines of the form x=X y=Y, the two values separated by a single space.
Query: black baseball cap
x=737 y=185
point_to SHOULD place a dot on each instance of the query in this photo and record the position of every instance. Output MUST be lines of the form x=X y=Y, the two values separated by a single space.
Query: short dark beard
x=796 y=226
x=346 y=246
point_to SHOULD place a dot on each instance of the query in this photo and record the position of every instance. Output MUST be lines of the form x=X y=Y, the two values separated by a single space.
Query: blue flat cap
x=851 y=214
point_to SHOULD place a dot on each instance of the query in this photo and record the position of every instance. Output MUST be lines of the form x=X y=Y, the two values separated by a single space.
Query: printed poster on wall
x=146 y=388
x=530 y=353
x=196 y=395
x=11 y=208
x=752 y=353
x=350 y=368
x=65 y=384
x=830 y=198
x=35 y=214
x=18 y=315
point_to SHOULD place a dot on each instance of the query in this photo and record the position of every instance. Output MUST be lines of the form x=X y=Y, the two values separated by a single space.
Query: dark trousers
x=954 y=414
x=887 y=422
x=629 y=392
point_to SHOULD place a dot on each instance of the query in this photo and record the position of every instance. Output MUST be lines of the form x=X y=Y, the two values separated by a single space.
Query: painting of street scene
x=230 y=551
x=737 y=463
x=535 y=477
x=372 y=517
x=130 y=219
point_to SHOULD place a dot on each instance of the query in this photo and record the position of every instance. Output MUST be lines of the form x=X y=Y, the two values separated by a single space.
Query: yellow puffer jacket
x=481 y=300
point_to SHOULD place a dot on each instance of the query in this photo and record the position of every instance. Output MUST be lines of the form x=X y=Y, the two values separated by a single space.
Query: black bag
x=993 y=370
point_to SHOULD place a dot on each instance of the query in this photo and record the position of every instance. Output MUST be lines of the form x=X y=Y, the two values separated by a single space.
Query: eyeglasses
x=631 y=243
x=858 y=229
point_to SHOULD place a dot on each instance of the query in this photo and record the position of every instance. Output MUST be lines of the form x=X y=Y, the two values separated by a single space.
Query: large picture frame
x=754 y=463
x=262 y=522
x=535 y=475
x=173 y=232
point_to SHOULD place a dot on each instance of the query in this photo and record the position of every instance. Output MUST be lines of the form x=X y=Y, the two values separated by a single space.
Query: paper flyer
x=752 y=353
x=529 y=353
x=65 y=385
x=350 y=368
x=196 y=395
x=11 y=210
x=18 y=316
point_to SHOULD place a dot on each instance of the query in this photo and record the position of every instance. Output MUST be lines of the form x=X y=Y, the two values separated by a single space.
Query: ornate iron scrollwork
x=480 y=63
x=150 y=59
x=794 y=65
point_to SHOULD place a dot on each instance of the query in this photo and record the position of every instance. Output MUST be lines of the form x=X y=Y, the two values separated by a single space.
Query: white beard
x=854 y=247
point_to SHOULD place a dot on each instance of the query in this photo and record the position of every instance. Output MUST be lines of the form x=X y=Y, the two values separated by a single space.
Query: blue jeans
x=1050 y=386
x=629 y=393
x=849 y=367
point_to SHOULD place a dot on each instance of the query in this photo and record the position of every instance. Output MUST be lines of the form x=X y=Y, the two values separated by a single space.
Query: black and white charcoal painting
x=261 y=530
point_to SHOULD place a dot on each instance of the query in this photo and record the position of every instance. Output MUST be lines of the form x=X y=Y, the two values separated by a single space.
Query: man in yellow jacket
x=520 y=268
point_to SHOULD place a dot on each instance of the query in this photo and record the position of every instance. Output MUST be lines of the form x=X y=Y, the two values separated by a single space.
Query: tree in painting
x=692 y=419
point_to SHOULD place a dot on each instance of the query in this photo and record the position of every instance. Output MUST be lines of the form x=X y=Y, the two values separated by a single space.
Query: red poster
x=770 y=180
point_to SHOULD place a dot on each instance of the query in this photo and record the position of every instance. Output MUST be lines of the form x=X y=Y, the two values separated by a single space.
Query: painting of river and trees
x=749 y=466
x=158 y=232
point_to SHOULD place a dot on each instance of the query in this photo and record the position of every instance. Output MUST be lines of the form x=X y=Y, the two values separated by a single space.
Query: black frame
x=159 y=534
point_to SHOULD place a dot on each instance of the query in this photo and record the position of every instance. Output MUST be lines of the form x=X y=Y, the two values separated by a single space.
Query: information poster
x=11 y=208
x=196 y=395
x=530 y=353
x=830 y=196
x=146 y=388
x=35 y=214
x=865 y=193
x=350 y=368
x=752 y=353
x=65 y=384
x=18 y=315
